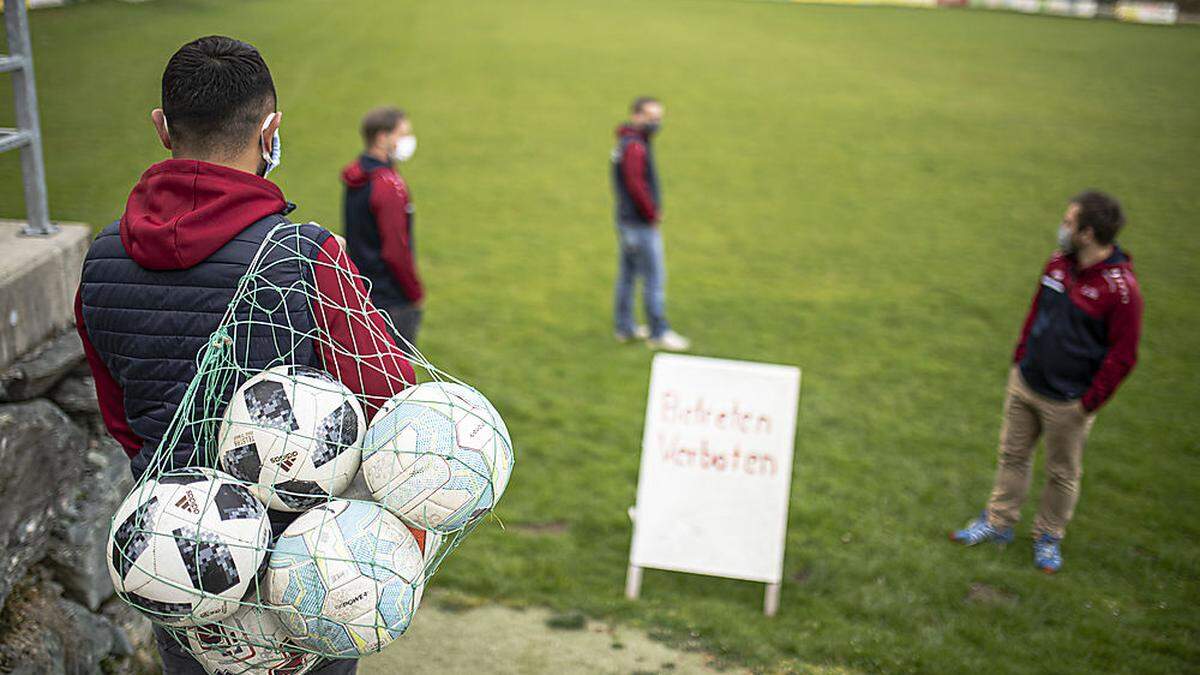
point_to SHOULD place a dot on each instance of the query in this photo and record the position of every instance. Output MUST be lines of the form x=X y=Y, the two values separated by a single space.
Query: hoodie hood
x=628 y=129
x=358 y=173
x=183 y=210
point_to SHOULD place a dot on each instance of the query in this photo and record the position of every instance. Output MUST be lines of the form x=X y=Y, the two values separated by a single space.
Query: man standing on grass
x=638 y=214
x=379 y=219
x=1079 y=342
x=156 y=283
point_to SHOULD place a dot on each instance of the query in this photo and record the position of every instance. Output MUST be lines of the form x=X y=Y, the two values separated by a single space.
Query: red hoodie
x=180 y=213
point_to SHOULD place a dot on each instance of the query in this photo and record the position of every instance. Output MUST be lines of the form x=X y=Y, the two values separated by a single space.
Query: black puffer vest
x=626 y=209
x=151 y=327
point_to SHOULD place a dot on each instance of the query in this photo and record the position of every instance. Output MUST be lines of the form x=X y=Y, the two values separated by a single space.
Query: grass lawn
x=866 y=193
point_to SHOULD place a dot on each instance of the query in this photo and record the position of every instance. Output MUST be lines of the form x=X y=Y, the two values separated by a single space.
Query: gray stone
x=38 y=278
x=77 y=395
x=80 y=534
x=38 y=372
x=134 y=650
x=87 y=638
x=32 y=639
x=41 y=451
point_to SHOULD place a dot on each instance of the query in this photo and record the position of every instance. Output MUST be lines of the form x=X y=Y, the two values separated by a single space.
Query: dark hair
x=380 y=121
x=1099 y=213
x=639 y=104
x=215 y=93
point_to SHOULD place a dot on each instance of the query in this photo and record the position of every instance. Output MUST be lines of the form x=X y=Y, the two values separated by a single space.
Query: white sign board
x=716 y=468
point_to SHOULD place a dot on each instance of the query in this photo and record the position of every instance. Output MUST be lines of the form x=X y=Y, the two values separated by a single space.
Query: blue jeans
x=641 y=255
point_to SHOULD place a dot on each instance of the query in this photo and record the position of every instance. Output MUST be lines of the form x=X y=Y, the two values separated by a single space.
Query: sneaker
x=639 y=333
x=670 y=341
x=979 y=531
x=1047 y=556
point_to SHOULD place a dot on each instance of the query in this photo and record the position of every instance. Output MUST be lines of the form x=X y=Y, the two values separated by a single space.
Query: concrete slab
x=38 y=277
x=501 y=640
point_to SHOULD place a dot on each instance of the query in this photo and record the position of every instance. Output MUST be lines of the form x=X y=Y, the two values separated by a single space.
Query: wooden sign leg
x=633 y=582
x=770 y=599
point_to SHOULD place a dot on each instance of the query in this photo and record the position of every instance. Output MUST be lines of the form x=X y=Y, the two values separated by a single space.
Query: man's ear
x=159 y=118
x=267 y=137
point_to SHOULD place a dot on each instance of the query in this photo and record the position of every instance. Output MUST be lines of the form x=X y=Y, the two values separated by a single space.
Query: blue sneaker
x=979 y=531
x=1047 y=557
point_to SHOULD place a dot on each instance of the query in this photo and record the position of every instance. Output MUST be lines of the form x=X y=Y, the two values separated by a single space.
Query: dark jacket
x=379 y=231
x=635 y=178
x=1080 y=338
x=156 y=284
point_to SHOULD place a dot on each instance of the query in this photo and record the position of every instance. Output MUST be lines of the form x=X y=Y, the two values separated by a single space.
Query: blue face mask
x=272 y=158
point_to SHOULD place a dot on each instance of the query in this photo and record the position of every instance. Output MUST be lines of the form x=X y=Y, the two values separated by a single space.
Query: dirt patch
x=493 y=639
x=982 y=594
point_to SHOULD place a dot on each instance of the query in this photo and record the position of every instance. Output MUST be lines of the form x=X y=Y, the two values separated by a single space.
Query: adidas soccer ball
x=438 y=456
x=185 y=546
x=293 y=432
x=250 y=642
x=343 y=578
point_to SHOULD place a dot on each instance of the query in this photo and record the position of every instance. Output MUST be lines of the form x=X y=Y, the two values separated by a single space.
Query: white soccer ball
x=184 y=547
x=293 y=432
x=343 y=578
x=250 y=642
x=438 y=456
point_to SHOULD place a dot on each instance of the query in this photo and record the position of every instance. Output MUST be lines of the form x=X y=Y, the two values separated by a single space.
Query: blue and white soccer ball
x=438 y=456
x=292 y=432
x=343 y=578
x=250 y=642
x=184 y=547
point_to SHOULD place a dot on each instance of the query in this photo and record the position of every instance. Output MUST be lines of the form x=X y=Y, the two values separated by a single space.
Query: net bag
x=307 y=488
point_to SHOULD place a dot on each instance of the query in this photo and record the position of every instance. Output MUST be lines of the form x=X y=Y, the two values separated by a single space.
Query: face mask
x=1065 y=242
x=272 y=158
x=405 y=147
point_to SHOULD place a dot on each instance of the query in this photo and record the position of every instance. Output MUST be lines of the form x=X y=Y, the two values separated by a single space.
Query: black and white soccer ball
x=184 y=547
x=294 y=433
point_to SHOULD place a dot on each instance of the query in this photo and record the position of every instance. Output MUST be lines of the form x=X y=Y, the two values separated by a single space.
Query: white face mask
x=271 y=158
x=405 y=147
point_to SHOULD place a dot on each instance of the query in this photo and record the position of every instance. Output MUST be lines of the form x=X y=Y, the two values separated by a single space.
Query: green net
x=305 y=491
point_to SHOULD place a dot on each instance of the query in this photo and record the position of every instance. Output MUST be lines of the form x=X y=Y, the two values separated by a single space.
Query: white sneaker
x=639 y=333
x=671 y=342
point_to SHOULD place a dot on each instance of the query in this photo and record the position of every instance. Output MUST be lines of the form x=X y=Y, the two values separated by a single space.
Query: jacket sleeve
x=1019 y=352
x=389 y=206
x=109 y=393
x=356 y=347
x=1124 y=333
x=633 y=172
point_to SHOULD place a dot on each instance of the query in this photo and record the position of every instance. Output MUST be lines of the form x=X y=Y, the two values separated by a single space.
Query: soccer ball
x=250 y=642
x=438 y=456
x=292 y=431
x=343 y=578
x=184 y=547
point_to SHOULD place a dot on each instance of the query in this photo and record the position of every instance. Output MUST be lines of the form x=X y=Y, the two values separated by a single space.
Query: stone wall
x=62 y=479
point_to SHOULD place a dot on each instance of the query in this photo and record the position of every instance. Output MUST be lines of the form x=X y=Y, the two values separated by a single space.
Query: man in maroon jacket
x=379 y=219
x=156 y=283
x=1078 y=343
x=638 y=207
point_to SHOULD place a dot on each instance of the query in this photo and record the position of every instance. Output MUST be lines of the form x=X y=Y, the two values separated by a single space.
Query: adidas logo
x=188 y=503
x=285 y=461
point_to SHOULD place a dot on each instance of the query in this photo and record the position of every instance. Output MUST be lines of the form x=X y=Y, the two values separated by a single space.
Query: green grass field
x=868 y=194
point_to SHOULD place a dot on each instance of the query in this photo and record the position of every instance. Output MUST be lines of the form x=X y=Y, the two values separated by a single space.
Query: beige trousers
x=1064 y=426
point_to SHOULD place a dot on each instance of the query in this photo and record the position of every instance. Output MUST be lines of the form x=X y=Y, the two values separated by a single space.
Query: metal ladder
x=27 y=136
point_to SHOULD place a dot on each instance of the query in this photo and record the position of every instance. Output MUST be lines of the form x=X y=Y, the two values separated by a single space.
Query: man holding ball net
x=156 y=284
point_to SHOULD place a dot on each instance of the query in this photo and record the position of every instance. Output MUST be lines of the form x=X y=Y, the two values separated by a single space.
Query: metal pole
x=33 y=171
